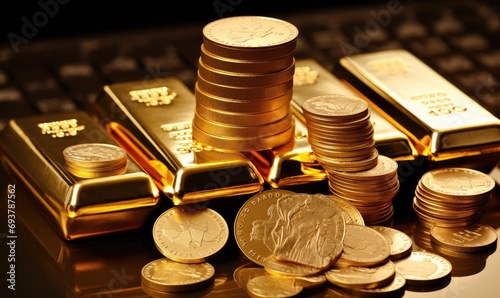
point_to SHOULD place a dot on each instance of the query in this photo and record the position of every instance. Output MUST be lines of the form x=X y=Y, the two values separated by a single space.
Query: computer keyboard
x=459 y=39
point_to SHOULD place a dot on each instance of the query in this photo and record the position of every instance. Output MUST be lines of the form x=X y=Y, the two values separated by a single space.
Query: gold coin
x=254 y=222
x=96 y=174
x=423 y=268
x=337 y=106
x=302 y=222
x=190 y=235
x=243 y=119
x=241 y=106
x=238 y=79
x=244 y=93
x=170 y=276
x=386 y=167
x=364 y=246
x=395 y=289
x=272 y=286
x=473 y=238
x=245 y=37
x=457 y=182
x=362 y=277
x=94 y=155
x=332 y=164
x=246 y=66
x=281 y=268
x=350 y=213
x=244 y=144
x=243 y=274
x=400 y=243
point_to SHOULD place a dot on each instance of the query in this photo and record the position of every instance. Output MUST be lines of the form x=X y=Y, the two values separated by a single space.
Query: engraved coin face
x=250 y=32
x=473 y=238
x=255 y=221
x=170 y=276
x=423 y=268
x=364 y=246
x=362 y=277
x=400 y=244
x=283 y=268
x=94 y=153
x=457 y=182
x=190 y=235
x=309 y=230
x=335 y=105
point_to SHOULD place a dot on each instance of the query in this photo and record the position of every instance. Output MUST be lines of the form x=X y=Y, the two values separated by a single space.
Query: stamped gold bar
x=294 y=163
x=448 y=123
x=93 y=201
x=157 y=133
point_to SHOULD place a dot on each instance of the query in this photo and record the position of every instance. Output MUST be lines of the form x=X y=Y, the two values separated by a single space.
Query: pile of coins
x=341 y=137
x=448 y=204
x=187 y=236
x=298 y=241
x=94 y=160
x=244 y=84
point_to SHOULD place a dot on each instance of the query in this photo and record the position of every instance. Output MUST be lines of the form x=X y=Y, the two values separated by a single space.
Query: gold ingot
x=246 y=66
x=242 y=119
x=246 y=93
x=237 y=79
x=241 y=106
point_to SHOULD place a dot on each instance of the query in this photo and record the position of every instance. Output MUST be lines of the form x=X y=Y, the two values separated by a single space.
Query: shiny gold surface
x=474 y=238
x=78 y=207
x=424 y=268
x=448 y=123
x=159 y=138
x=362 y=277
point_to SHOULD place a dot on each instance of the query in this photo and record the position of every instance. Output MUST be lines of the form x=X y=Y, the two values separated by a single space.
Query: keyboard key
x=448 y=24
x=470 y=42
x=490 y=59
x=55 y=105
x=454 y=63
x=411 y=29
x=431 y=46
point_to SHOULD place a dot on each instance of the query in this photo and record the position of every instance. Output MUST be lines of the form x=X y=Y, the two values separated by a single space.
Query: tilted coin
x=283 y=268
x=362 y=277
x=170 y=276
x=364 y=246
x=190 y=235
x=254 y=222
x=349 y=211
x=243 y=274
x=395 y=289
x=386 y=167
x=400 y=243
x=272 y=286
x=309 y=230
x=473 y=238
x=423 y=268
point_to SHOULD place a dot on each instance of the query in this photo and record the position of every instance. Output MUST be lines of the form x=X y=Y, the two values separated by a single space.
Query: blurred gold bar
x=448 y=124
x=294 y=163
x=152 y=120
x=32 y=150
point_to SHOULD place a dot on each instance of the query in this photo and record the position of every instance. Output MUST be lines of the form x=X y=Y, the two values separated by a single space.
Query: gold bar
x=448 y=124
x=32 y=149
x=294 y=163
x=152 y=121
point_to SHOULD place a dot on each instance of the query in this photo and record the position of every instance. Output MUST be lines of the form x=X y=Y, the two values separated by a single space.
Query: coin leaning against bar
x=189 y=235
x=252 y=221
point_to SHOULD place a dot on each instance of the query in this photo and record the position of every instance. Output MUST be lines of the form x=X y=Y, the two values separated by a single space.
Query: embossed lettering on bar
x=294 y=163
x=159 y=138
x=448 y=123
x=79 y=207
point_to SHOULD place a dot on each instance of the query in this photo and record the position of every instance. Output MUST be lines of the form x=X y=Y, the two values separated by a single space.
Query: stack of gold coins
x=382 y=181
x=340 y=132
x=451 y=197
x=95 y=160
x=244 y=84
